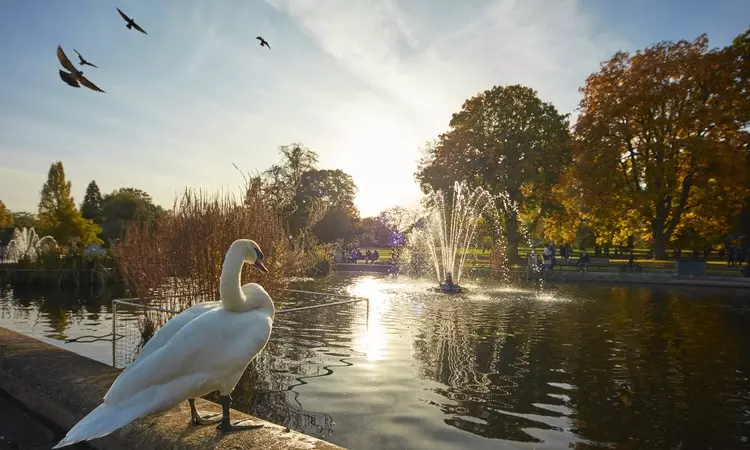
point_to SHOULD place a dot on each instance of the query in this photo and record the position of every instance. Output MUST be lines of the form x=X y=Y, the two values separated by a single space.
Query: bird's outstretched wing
x=89 y=64
x=127 y=19
x=69 y=79
x=137 y=27
x=79 y=55
x=64 y=60
x=89 y=84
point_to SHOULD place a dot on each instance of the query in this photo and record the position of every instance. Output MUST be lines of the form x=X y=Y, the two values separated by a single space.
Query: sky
x=364 y=83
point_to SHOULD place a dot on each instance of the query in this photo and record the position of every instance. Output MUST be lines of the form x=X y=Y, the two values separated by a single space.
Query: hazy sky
x=363 y=83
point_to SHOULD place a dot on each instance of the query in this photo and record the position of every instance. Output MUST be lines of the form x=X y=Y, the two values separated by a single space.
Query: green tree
x=22 y=219
x=281 y=181
x=511 y=143
x=659 y=143
x=91 y=208
x=335 y=191
x=6 y=218
x=58 y=215
x=122 y=206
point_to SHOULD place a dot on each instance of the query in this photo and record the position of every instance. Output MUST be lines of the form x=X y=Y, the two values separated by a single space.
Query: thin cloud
x=364 y=83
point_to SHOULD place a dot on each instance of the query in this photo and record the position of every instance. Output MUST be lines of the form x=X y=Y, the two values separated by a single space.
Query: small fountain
x=447 y=231
x=25 y=244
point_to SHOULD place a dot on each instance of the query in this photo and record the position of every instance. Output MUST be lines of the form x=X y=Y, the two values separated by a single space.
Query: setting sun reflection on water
x=593 y=366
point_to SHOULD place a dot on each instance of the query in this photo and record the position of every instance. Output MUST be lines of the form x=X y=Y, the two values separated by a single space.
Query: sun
x=381 y=155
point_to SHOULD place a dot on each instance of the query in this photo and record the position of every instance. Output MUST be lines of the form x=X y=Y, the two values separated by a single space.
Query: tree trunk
x=660 y=240
x=511 y=235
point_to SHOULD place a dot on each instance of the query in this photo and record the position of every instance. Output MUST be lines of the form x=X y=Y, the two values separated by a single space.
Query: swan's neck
x=230 y=288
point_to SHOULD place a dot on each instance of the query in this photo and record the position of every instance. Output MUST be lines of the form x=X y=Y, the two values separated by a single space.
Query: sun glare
x=391 y=153
x=373 y=340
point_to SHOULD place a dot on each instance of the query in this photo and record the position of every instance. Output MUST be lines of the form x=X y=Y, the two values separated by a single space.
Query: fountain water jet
x=26 y=244
x=448 y=228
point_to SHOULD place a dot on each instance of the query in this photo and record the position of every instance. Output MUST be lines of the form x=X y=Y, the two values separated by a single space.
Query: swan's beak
x=260 y=266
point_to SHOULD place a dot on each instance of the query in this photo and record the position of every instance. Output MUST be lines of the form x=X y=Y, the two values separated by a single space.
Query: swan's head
x=251 y=253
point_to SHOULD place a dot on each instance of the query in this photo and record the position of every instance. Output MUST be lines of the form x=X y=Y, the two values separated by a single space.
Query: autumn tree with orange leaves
x=659 y=143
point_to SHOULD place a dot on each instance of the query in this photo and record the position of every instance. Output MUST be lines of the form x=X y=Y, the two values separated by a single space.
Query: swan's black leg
x=226 y=425
x=197 y=419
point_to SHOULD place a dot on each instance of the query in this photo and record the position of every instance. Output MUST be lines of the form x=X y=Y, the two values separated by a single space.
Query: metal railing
x=134 y=302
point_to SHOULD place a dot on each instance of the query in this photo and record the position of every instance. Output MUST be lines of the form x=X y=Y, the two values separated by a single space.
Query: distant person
x=547 y=259
x=368 y=253
x=553 y=254
x=375 y=256
x=583 y=261
x=730 y=255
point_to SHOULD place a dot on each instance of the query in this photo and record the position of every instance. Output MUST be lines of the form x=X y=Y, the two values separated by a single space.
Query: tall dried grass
x=177 y=261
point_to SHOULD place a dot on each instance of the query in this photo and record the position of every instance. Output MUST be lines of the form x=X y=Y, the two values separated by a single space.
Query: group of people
x=370 y=257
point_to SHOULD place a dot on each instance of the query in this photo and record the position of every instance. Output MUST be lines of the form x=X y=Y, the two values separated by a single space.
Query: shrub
x=180 y=256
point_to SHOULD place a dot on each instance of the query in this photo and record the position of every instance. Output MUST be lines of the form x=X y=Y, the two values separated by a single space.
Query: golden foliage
x=657 y=140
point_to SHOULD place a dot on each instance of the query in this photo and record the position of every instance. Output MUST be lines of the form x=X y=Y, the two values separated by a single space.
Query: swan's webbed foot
x=226 y=425
x=197 y=419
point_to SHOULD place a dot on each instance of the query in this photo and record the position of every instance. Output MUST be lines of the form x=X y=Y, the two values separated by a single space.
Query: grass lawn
x=478 y=259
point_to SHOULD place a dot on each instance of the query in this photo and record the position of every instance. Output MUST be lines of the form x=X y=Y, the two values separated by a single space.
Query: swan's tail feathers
x=99 y=422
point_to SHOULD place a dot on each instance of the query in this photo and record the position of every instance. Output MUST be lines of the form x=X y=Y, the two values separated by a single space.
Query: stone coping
x=63 y=387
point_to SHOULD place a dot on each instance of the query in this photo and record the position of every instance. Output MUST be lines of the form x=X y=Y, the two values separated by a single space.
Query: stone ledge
x=63 y=387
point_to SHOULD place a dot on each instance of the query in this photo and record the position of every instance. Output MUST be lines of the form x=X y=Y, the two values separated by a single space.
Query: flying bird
x=73 y=77
x=131 y=22
x=263 y=42
x=83 y=62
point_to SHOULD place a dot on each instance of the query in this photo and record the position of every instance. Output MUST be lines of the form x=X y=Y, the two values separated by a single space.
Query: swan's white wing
x=205 y=354
x=169 y=329
x=174 y=325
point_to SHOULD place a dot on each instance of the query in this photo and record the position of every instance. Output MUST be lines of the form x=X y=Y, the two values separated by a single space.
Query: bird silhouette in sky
x=83 y=62
x=131 y=22
x=263 y=42
x=74 y=76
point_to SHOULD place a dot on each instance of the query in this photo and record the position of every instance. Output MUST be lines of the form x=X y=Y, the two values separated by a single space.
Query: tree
x=91 y=208
x=739 y=51
x=280 y=181
x=58 y=215
x=509 y=142
x=658 y=141
x=22 y=219
x=124 y=205
x=6 y=218
x=335 y=189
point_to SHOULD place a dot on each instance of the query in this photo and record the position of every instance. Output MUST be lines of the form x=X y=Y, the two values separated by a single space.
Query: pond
x=584 y=366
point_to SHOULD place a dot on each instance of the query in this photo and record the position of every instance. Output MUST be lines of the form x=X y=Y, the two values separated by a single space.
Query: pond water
x=585 y=366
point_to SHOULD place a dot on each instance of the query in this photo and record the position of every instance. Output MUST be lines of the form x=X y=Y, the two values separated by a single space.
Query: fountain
x=25 y=244
x=447 y=230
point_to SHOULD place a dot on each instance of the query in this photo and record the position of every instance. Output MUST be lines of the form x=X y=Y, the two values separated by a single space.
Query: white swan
x=208 y=348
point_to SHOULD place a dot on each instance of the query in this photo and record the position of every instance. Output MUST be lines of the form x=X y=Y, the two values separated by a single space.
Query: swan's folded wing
x=166 y=332
x=172 y=326
x=217 y=344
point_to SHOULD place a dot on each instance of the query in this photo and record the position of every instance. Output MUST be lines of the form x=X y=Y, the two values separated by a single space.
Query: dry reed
x=177 y=261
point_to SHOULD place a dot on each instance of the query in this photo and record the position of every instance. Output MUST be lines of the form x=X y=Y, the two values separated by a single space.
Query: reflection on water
x=591 y=366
